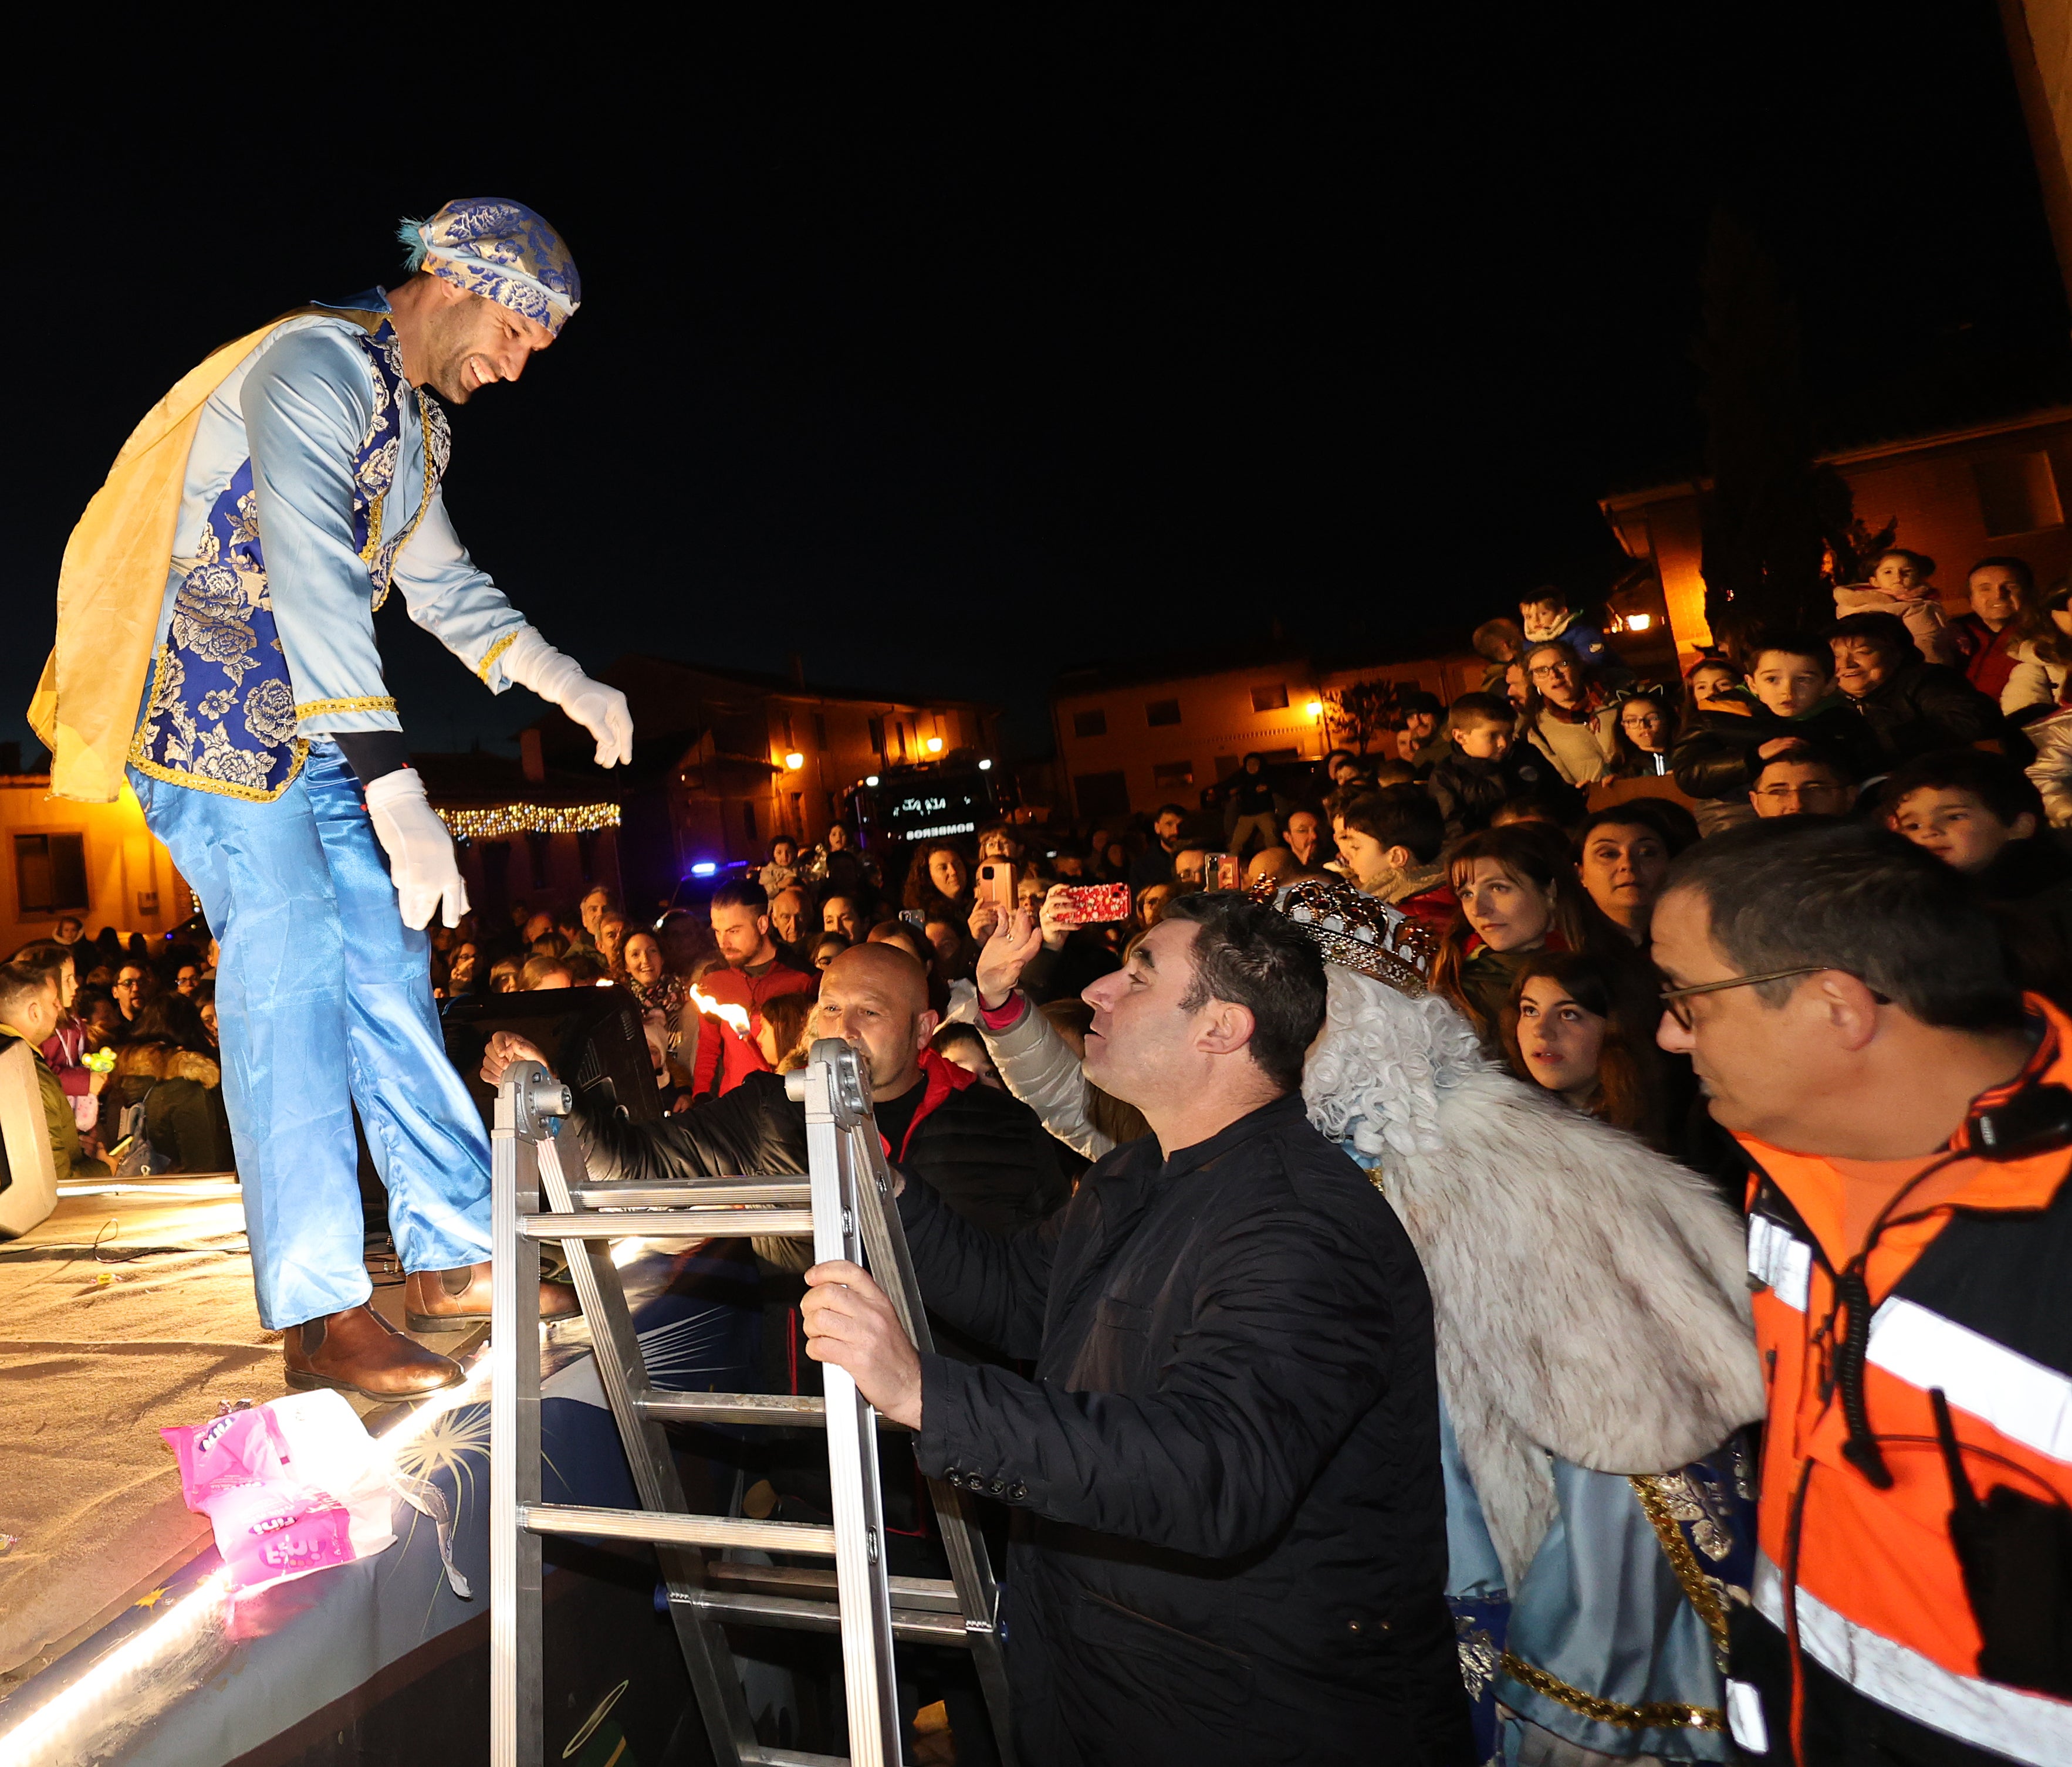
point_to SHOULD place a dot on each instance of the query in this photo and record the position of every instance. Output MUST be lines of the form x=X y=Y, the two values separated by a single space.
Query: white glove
x=532 y=662
x=421 y=852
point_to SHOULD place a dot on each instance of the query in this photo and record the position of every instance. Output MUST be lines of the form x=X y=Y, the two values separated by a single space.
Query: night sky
x=951 y=351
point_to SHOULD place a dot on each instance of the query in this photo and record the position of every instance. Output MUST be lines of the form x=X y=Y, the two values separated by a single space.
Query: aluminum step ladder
x=542 y=1192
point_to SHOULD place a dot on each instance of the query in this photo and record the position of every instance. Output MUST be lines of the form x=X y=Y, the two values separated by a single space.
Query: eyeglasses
x=1673 y=999
x=1791 y=794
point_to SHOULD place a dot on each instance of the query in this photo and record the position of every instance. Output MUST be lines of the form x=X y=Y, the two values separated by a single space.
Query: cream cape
x=112 y=586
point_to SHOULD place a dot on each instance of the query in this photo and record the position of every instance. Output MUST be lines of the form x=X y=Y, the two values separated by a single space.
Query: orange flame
x=735 y=1015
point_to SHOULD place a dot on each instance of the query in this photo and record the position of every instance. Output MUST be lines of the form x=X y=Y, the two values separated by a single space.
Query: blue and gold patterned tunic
x=312 y=490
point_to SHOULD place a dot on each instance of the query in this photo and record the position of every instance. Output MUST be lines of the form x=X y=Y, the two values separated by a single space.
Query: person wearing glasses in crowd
x=131 y=988
x=1802 y=780
x=1906 y=1113
x=1561 y=718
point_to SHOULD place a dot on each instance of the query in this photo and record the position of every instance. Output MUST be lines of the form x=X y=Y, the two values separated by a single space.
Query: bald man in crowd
x=984 y=1152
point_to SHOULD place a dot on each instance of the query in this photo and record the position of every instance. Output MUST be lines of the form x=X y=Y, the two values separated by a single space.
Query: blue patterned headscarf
x=501 y=250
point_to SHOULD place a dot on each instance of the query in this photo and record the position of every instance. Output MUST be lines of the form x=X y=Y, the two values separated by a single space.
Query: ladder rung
x=800 y=1411
x=661 y=1530
x=801 y=1615
x=778 y=1192
x=672 y=1224
x=922 y=1595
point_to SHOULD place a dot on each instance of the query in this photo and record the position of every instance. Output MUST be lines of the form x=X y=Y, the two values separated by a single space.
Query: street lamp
x=794 y=761
x=935 y=745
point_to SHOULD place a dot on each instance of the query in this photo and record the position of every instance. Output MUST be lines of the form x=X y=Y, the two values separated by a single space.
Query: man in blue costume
x=269 y=757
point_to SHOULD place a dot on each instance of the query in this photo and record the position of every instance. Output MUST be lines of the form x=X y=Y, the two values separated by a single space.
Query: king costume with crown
x=215 y=648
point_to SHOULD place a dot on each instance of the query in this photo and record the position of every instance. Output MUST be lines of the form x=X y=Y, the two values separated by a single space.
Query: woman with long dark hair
x=939 y=875
x=1569 y=1029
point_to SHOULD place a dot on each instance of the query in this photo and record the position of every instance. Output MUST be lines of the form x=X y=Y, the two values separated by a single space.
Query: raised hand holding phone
x=1002 y=958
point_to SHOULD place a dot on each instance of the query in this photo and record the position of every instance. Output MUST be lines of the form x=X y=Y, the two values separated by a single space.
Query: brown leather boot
x=446 y=1300
x=358 y=1351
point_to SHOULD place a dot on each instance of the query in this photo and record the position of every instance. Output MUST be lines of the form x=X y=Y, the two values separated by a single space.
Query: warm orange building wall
x=1931 y=487
x=131 y=882
x=1217 y=726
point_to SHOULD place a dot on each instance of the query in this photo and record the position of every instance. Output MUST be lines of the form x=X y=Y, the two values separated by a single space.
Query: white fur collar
x=1590 y=1296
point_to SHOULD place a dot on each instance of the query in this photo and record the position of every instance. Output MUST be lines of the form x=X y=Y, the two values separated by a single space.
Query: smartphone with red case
x=1222 y=871
x=1091 y=904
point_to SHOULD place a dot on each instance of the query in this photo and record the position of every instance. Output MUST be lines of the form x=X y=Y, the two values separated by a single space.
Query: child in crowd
x=1547 y=615
x=1714 y=684
x=1791 y=676
x=781 y=871
x=1899 y=584
x=1390 y=841
x=1980 y=813
x=1486 y=768
x=1499 y=643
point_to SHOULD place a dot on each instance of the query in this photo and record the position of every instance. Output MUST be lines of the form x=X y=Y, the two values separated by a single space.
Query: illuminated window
x=1158 y=712
x=1093 y=723
x=50 y=873
x=1168 y=773
x=1270 y=699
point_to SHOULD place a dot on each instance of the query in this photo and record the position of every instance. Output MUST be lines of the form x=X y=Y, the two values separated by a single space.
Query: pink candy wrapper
x=292 y=1486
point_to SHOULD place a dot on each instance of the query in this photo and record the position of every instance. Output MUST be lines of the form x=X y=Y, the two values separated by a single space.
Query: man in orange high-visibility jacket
x=1848 y=1007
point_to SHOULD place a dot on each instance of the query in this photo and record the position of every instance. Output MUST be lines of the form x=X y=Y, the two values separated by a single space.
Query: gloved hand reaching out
x=421 y=852
x=532 y=662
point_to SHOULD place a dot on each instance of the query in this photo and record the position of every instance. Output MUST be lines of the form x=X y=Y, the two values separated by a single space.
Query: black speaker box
x=591 y=1038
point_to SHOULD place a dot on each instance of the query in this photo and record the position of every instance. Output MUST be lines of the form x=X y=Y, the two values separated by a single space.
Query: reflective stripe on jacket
x=1967 y=1294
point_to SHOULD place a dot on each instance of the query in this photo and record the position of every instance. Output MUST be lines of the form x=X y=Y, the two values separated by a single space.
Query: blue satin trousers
x=324 y=1001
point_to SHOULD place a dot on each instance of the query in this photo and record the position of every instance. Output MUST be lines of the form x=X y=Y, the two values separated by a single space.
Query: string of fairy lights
x=505 y=819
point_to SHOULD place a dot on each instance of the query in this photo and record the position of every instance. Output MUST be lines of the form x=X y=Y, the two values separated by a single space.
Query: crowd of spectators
x=1531 y=829
x=125 y=1048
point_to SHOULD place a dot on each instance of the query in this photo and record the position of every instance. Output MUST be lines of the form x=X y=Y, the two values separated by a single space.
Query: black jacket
x=2029 y=886
x=1922 y=707
x=1716 y=758
x=1469 y=791
x=983 y=1151
x=1235 y=1546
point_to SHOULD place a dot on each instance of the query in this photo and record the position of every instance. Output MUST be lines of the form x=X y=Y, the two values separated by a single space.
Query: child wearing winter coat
x=1547 y=615
x=1486 y=768
x=1900 y=584
x=1791 y=677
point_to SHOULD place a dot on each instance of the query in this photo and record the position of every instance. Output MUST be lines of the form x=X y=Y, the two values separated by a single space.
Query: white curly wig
x=1376 y=1071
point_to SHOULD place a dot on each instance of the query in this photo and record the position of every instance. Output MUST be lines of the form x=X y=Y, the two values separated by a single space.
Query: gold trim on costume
x=196 y=782
x=372 y=549
x=1697 y=1586
x=1658 y=1715
x=315 y=707
x=489 y=656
